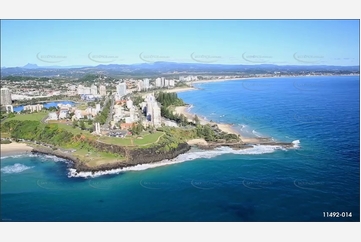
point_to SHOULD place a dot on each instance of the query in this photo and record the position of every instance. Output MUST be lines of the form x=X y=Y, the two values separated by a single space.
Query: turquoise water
x=260 y=184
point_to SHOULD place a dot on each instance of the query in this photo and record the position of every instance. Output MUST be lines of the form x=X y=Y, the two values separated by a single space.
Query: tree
x=75 y=124
x=82 y=125
x=196 y=120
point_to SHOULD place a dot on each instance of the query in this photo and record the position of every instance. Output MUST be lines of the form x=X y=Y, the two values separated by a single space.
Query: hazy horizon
x=244 y=42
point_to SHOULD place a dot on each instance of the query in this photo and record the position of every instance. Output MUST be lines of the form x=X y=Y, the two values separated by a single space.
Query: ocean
x=317 y=181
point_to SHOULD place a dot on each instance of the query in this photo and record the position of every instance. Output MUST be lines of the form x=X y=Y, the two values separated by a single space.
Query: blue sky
x=93 y=42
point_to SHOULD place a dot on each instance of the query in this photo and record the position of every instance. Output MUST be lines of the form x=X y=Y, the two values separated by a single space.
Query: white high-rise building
x=121 y=89
x=156 y=117
x=102 y=90
x=146 y=84
x=93 y=90
x=171 y=83
x=158 y=82
x=140 y=86
x=166 y=83
x=6 y=96
x=149 y=109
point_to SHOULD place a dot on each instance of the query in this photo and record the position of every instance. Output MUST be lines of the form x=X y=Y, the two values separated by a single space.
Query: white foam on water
x=18 y=156
x=255 y=150
x=53 y=158
x=16 y=168
x=256 y=133
x=296 y=143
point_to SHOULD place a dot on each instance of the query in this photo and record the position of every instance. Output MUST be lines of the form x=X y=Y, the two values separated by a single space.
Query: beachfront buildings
x=156 y=117
x=5 y=96
x=102 y=90
x=153 y=111
x=188 y=78
x=121 y=89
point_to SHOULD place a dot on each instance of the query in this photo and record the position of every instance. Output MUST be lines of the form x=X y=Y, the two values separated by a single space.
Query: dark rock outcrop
x=133 y=156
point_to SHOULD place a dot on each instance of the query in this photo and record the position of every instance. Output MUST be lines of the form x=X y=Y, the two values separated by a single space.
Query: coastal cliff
x=133 y=156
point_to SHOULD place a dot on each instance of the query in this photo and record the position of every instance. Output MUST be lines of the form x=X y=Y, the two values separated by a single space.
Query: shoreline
x=259 y=77
x=227 y=128
x=15 y=148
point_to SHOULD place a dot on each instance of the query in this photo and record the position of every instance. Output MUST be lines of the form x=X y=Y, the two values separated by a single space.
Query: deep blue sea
x=262 y=184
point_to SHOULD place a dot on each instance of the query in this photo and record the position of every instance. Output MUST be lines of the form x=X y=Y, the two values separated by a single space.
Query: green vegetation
x=25 y=78
x=5 y=141
x=34 y=101
x=167 y=99
x=148 y=139
x=88 y=78
x=137 y=128
x=36 y=131
x=32 y=116
x=137 y=99
x=103 y=115
x=117 y=141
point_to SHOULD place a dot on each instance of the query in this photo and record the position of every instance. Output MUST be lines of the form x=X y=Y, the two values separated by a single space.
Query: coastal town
x=92 y=115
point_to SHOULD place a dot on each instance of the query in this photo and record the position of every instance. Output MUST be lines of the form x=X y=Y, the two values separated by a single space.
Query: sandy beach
x=15 y=149
x=224 y=127
x=197 y=142
x=227 y=128
x=180 y=89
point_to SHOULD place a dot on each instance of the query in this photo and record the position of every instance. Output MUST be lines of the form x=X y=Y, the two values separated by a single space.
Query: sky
x=94 y=42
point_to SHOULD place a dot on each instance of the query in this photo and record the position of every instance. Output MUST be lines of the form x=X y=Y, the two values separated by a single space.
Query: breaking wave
x=255 y=150
x=16 y=168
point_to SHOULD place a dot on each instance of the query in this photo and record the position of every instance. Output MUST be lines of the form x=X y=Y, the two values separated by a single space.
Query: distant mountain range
x=167 y=68
x=35 y=66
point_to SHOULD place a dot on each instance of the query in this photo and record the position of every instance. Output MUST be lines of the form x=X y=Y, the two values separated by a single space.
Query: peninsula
x=120 y=129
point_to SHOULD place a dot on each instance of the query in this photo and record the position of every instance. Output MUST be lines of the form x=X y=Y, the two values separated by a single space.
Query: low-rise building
x=52 y=116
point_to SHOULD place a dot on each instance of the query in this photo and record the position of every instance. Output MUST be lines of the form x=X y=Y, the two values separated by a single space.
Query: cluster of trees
x=137 y=128
x=137 y=99
x=88 y=78
x=168 y=142
x=210 y=134
x=180 y=119
x=206 y=132
x=25 y=78
x=36 y=131
x=168 y=99
x=82 y=126
x=42 y=99
x=103 y=115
